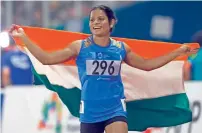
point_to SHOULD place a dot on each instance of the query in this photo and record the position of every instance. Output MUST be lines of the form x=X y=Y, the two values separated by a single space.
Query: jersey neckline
x=96 y=45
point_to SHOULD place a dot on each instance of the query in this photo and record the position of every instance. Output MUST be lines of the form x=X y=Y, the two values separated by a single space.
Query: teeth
x=96 y=27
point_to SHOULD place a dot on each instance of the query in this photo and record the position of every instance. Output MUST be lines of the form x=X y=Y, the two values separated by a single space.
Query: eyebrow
x=101 y=16
x=98 y=16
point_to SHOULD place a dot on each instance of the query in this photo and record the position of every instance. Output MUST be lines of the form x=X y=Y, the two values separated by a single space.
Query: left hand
x=187 y=50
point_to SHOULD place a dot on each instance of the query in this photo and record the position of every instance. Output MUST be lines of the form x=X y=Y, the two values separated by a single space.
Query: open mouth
x=96 y=28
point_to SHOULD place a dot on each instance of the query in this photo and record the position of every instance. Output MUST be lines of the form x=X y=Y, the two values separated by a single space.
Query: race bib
x=103 y=67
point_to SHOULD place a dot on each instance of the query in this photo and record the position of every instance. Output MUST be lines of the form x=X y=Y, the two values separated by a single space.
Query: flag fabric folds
x=153 y=99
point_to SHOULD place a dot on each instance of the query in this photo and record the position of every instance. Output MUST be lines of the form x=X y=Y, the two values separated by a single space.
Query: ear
x=112 y=23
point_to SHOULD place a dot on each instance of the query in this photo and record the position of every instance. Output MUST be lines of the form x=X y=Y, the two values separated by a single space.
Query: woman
x=99 y=61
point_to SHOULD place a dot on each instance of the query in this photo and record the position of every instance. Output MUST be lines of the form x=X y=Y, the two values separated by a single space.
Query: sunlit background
x=179 y=22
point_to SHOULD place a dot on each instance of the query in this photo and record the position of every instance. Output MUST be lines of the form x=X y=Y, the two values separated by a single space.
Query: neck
x=101 y=41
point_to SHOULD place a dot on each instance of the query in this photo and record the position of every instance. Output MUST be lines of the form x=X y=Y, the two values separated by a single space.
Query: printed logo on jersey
x=87 y=42
x=117 y=44
x=93 y=55
x=99 y=55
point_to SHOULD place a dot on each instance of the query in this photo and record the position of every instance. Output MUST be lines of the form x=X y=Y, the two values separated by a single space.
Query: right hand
x=16 y=31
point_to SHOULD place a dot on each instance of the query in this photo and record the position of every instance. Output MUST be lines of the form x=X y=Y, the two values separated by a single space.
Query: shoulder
x=75 y=46
x=116 y=43
x=127 y=48
x=76 y=42
x=121 y=43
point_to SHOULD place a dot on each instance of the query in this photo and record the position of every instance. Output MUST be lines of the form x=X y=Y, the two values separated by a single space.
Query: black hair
x=108 y=11
x=197 y=38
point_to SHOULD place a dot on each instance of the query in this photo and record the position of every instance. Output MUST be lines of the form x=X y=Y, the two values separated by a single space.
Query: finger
x=195 y=50
x=20 y=30
x=13 y=27
x=192 y=53
x=190 y=47
x=14 y=33
x=16 y=26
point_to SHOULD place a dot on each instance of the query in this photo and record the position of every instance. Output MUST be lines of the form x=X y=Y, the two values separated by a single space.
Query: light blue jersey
x=102 y=95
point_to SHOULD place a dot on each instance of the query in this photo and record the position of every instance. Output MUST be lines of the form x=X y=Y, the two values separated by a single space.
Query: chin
x=98 y=34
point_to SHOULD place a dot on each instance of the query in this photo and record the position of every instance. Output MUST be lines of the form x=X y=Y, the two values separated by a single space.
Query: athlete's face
x=99 y=23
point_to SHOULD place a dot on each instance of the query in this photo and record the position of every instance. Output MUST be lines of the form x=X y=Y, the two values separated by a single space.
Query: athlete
x=99 y=60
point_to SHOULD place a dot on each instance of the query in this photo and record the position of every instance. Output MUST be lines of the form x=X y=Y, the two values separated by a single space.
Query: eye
x=91 y=20
x=101 y=19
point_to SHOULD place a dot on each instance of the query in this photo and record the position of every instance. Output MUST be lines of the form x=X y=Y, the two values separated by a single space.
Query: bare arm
x=136 y=61
x=6 y=81
x=187 y=71
x=49 y=58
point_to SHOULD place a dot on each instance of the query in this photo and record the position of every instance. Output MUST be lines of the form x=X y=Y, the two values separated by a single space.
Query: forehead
x=97 y=13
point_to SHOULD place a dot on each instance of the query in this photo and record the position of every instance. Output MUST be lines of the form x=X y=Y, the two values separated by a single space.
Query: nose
x=96 y=21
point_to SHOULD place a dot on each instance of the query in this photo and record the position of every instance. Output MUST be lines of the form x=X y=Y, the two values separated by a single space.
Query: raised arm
x=48 y=58
x=139 y=62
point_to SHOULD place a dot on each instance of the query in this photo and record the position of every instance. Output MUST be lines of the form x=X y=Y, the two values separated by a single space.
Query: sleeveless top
x=102 y=91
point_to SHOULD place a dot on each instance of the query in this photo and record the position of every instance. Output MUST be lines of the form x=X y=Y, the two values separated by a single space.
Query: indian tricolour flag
x=153 y=99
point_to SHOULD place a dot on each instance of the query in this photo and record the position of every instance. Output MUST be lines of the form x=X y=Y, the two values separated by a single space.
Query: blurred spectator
x=16 y=68
x=193 y=68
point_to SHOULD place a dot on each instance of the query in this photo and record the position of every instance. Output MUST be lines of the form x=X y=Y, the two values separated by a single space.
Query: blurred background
x=179 y=22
